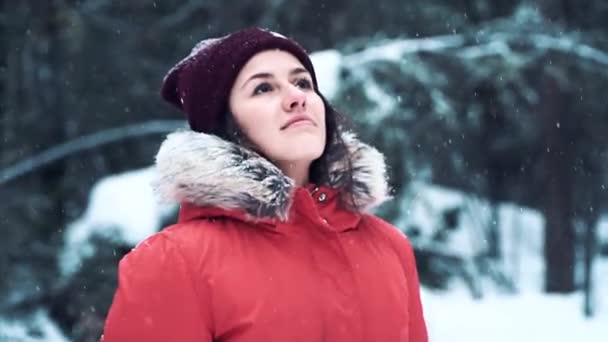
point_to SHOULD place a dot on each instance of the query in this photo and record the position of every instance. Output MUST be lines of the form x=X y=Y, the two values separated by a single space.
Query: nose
x=294 y=99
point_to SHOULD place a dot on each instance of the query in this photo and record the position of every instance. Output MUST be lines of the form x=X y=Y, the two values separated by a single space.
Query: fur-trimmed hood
x=207 y=171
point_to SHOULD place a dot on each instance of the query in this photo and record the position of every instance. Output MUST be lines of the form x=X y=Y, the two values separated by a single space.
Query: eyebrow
x=265 y=75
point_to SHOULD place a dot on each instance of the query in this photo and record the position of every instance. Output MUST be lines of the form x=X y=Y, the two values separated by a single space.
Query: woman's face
x=274 y=103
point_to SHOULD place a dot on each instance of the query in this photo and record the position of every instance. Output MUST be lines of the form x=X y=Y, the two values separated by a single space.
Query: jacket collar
x=203 y=170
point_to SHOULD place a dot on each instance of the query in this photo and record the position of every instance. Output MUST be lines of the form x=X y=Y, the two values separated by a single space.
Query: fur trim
x=206 y=170
x=369 y=186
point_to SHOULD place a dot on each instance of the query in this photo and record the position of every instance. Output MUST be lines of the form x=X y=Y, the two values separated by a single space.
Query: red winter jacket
x=252 y=258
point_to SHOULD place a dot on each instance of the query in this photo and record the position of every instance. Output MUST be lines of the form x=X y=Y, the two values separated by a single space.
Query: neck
x=296 y=170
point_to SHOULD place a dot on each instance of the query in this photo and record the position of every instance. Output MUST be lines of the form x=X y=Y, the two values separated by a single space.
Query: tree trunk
x=559 y=180
x=49 y=58
x=496 y=161
x=589 y=254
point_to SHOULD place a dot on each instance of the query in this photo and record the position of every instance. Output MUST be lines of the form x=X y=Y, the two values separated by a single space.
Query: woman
x=272 y=241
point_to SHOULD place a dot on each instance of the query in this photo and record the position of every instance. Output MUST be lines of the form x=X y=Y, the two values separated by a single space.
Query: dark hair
x=335 y=149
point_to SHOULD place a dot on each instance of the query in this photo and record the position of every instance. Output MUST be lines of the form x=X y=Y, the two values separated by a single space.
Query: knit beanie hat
x=200 y=84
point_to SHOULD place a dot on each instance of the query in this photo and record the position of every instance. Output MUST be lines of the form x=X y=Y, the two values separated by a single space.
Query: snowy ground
x=527 y=317
x=455 y=316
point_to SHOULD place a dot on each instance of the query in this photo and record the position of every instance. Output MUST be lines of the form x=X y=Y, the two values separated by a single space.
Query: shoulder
x=383 y=229
x=188 y=243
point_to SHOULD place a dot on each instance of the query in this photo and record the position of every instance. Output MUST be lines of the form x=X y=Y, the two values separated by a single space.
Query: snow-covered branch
x=497 y=43
x=394 y=50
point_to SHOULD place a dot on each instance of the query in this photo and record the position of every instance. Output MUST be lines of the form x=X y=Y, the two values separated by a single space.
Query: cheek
x=259 y=131
x=251 y=120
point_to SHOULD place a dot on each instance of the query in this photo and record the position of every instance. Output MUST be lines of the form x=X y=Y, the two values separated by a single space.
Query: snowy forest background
x=493 y=116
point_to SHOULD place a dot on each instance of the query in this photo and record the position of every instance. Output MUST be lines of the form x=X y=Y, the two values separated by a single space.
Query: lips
x=296 y=119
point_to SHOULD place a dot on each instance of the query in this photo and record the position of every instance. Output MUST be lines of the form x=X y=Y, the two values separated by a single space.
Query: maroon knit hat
x=200 y=84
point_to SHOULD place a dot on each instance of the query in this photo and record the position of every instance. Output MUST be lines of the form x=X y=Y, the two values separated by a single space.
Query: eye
x=303 y=83
x=262 y=88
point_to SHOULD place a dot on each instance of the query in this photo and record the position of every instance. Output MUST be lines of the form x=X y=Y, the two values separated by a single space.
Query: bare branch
x=180 y=15
x=92 y=6
x=95 y=11
x=86 y=142
x=112 y=24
